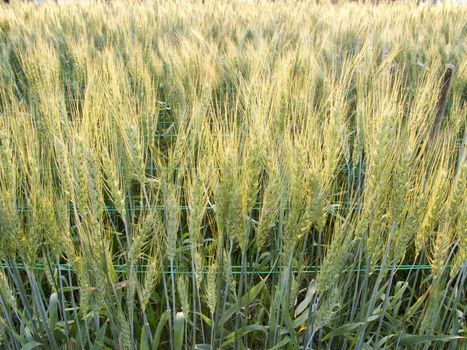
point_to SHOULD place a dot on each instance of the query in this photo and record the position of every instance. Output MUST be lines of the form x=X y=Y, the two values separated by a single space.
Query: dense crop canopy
x=233 y=174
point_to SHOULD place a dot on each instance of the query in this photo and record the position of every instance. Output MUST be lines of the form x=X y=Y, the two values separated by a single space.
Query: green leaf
x=144 y=341
x=281 y=344
x=53 y=310
x=309 y=296
x=343 y=330
x=372 y=318
x=300 y=320
x=31 y=345
x=160 y=326
x=100 y=337
x=179 y=328
x=420 y=339
x=251 y=295
x=417 y=305
x=205 y=318
x=241 y=332
x=382 y=342
x=290 y=326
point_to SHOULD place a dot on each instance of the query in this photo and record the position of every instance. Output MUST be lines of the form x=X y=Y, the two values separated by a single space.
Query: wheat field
x=233 y=175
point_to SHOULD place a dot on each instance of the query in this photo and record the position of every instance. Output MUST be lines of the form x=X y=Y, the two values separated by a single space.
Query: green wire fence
x=109 y=208
x=236 y=269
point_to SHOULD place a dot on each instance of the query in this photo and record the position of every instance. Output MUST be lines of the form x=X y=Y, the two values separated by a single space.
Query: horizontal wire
x=187 y=208
x=143 y=268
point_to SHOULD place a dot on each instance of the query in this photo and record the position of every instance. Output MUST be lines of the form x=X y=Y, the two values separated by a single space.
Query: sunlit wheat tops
x=233 y=175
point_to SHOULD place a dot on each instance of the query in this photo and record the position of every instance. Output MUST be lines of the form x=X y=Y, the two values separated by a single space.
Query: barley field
x=233 y=175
